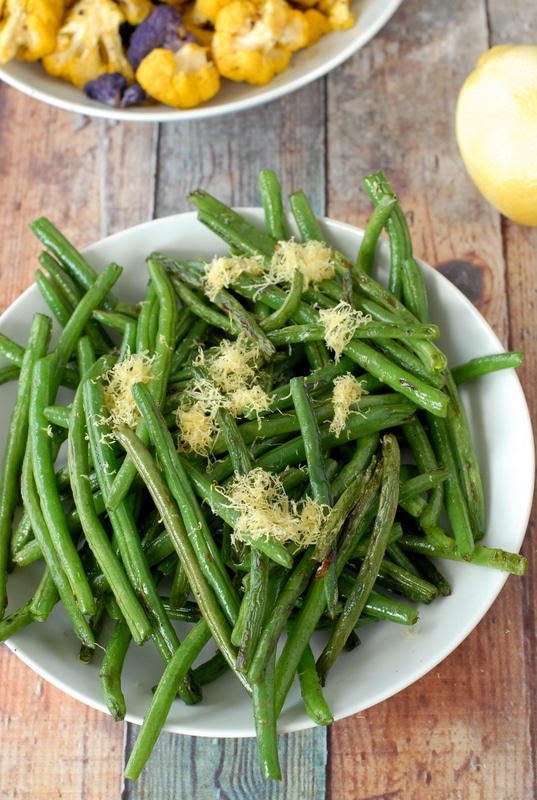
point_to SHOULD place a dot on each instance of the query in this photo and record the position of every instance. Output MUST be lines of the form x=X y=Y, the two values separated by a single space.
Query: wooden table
x=468 y=729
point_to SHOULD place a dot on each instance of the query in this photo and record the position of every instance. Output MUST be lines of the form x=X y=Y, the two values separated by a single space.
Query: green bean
x=180 y=488
x=379 y=606
x=306 y=221
x=231 y=226
x=164 y=696
x=271 y=200
x=11 y=350
x=455 y=500
x=484 y=365
x=312 y=694
x=371 y=330
x=425 y=458
x=365 y=448
x=466 y=458
x=45 y=481
x=15 y=622
x=377 y=221
x=73 y=294
x=409 y=279
x=42 y=533
x=369 y=569
x=400 y=580
x=431 y=573
x=57 y=305
x=244 y=322
x=437 y=544
x=431 y=355
x=96 y=536
x=162 y=498
x=17 y=431
x=125 y=530
x=111 y=669
x=9 y=373
x=68 y=256
x=275 y=625
x=82 y=313
x=189 y=343
x=163 y=351
x=255 y=607
x=288 y=308
x=411 y=386
x=265 y=720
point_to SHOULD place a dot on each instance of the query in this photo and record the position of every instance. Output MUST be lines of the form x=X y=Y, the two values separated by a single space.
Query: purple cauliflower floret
x=133 y=95
x=163 y=28
x=108 y=88
x=112 y=89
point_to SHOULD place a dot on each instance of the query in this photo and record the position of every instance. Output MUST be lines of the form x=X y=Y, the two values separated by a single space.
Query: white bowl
x=391 y=657
x=306 y=66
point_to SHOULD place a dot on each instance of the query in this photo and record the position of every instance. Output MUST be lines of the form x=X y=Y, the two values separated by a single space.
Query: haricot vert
x=265 y=447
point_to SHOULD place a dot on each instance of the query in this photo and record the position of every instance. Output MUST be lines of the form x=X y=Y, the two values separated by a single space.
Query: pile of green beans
x=132 y=532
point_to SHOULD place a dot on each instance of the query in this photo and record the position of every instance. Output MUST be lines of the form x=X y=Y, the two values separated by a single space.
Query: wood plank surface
x=468 y=729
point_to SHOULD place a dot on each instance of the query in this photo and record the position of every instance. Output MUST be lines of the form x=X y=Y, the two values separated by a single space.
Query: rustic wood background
x=468 y=730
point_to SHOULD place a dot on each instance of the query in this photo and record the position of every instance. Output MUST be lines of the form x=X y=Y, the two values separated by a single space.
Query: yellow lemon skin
x=496 y=129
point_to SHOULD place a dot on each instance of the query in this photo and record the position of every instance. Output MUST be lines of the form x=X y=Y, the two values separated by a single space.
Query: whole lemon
x=496 y=129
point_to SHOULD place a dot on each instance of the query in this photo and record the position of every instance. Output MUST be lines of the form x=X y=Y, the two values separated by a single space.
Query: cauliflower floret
x=255 y=39
x=89 y=43
x=28 y=28
x=184 y=79
x=319 y=25
x=206 y=11
x=338 y=12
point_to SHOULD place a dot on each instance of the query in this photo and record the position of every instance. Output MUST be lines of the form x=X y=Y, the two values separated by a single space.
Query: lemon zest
x=340 y=324
x=118 y=382
x=222 y=271
x=313 y=259
x=266 y=512
x=346 y=393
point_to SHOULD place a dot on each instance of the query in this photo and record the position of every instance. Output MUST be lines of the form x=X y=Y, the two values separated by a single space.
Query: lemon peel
x=118 y=383
x=266 y=512
x=496 y=129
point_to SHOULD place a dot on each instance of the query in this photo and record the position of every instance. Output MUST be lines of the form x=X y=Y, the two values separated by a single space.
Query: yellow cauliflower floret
x=135 y=10
x=319 y=25
x=204 y=11
x=184 y=79
x=28 y=28
x=200 y=28
x=255 y=39
x=89 y=43
x=338 y=12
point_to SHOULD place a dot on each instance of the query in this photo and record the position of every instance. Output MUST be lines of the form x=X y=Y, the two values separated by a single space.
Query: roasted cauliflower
x=255 y=39
x=28 y=28
x=183 y=79
x=89 y=43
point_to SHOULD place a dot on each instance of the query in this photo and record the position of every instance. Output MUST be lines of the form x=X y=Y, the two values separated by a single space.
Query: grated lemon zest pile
x=230 y=384
x=266 y=512
x=221 y=272
x=347 y=391
x=313 y=259
x=340 y=324
x=118 y=383
x=196 y=416
x=232 y=365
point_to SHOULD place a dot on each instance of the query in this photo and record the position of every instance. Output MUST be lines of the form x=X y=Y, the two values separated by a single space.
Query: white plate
x=306 y=66
x=390 y=657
